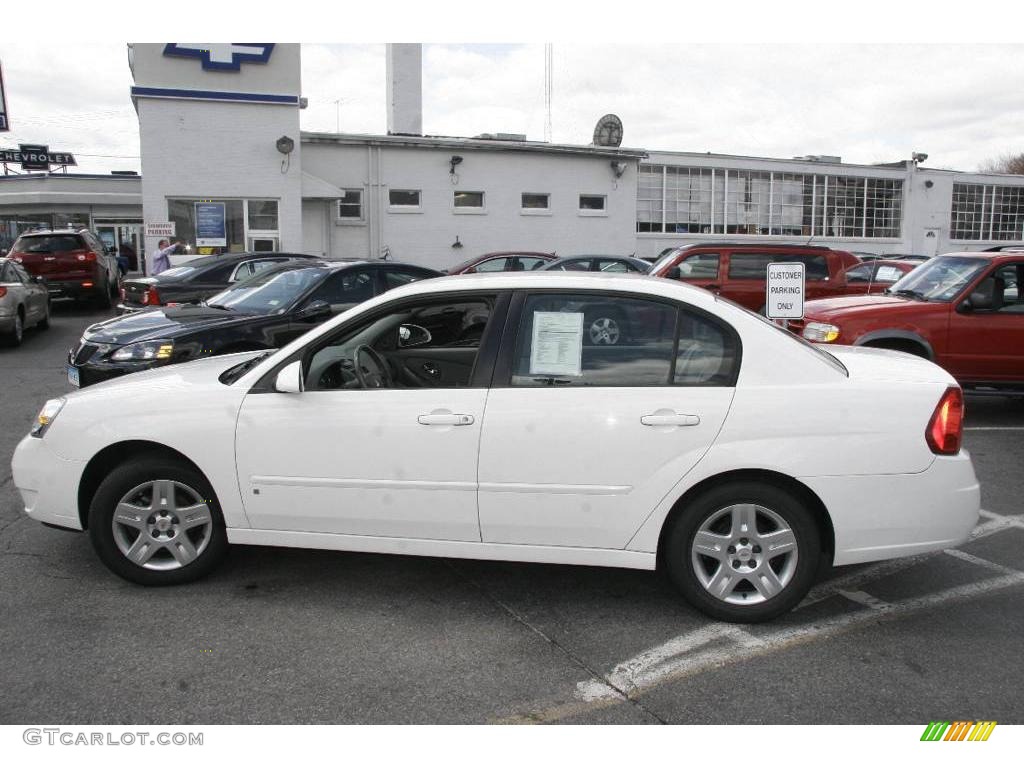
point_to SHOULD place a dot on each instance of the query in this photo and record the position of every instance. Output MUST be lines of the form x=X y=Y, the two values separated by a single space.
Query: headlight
x=46 y=416
x=823 y=332
x=144 y=350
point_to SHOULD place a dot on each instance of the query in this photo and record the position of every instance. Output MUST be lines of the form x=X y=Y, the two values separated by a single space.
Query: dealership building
x=226 y=166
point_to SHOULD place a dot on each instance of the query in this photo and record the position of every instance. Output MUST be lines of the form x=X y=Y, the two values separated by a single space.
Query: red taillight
x=3 y=291
x=945 y=430
x=87 y=256
x=86 y=284
x=151 y=297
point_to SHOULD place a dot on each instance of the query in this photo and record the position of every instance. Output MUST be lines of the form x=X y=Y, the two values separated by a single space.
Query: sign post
x=784 y=292
x=5 y=124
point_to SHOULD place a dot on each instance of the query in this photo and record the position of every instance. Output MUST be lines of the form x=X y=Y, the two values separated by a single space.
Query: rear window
x=49 y=244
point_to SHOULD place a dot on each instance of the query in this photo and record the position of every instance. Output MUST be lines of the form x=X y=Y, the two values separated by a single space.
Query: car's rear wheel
x=17 y=332
x=156 y=521
x=743 y=552
x=104 y=297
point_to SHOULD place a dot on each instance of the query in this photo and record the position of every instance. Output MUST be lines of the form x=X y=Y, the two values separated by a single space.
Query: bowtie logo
x=222 y=56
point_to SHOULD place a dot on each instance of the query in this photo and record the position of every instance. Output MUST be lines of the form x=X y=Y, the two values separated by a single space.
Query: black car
x=198 y=279
x=264 y=312
x=620 y=264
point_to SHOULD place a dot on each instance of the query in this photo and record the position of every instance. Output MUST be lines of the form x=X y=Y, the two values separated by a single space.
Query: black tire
x=679 y=556
x=138 y=472
x=14 y=338
x=45 y=322
x=104 y=297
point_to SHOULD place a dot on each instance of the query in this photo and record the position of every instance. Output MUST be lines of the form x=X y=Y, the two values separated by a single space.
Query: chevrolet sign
x=36 y=157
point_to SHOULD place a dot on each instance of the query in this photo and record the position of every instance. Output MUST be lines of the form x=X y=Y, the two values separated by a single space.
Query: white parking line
x=658 y=665
x=864 y=598
x=975 y=560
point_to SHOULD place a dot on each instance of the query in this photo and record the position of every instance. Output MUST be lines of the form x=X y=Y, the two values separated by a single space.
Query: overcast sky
x=867 y=103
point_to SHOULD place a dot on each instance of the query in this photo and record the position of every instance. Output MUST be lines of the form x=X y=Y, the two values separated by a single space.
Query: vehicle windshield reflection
x=268 y=292
x=940 y=279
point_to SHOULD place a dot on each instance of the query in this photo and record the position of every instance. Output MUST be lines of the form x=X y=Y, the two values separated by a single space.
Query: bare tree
x=1005 y=163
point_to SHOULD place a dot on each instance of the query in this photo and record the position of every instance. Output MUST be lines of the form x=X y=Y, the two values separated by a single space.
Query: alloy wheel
x=744 y=554
x=604 y=330
x=162 y=525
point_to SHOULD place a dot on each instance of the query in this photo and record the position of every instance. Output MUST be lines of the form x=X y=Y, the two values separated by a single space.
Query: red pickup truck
x=963 y=311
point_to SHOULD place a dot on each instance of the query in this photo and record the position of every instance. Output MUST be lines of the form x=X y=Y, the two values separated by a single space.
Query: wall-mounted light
x=456 y=244
x=285 y=145
x=456 y=159
x=618 y=168
x=929 y=184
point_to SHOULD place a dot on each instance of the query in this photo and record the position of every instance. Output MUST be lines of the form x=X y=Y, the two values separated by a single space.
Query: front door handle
x=663 y=417
x=445 y=419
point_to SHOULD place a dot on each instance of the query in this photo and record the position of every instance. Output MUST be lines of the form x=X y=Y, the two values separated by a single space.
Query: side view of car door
x=581 y=441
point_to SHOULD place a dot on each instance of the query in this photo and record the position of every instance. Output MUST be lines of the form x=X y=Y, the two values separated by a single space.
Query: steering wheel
x=376 y=377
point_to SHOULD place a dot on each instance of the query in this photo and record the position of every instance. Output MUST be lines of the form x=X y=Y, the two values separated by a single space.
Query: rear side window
x=49 y=244
x=699 y=266
x=861 y=274
x=585 y=340
x=754 y=266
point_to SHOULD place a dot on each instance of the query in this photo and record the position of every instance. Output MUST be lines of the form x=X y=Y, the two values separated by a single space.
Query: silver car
x=24 y=302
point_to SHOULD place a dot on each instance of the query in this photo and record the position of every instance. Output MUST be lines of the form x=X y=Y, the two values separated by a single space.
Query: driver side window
x=428 y=345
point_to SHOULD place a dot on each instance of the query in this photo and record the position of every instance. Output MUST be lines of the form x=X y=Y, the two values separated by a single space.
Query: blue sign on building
x=211 y=229
x=222 y=56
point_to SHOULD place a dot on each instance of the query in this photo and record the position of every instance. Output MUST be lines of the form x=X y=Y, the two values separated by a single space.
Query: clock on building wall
x=608 y=131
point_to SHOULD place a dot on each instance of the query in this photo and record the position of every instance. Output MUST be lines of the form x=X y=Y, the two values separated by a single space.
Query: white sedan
x=558 y=418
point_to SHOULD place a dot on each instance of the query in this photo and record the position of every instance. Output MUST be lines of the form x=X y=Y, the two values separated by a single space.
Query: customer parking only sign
x=784 y=297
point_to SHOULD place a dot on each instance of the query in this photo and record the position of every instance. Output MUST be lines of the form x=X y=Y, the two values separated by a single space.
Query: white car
x=488 y=417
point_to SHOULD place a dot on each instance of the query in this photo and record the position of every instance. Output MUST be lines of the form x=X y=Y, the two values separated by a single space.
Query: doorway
x=126 y=240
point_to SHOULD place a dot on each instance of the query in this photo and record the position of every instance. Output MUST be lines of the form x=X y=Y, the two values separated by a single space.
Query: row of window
x=987 y=212
x=679 y=199
x=350 y=207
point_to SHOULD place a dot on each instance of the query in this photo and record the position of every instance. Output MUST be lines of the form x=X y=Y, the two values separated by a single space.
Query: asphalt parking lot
x=295 y=636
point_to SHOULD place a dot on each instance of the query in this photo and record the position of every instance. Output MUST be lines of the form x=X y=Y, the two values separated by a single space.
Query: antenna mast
x=549 y=87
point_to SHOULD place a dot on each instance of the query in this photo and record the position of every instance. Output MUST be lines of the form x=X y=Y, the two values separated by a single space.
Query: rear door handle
x=445 y=419
x=663 y=417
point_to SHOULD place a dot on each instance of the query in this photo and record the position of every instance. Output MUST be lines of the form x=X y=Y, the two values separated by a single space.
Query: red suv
x=963 y=311
x=737 y=270
x=74 y=263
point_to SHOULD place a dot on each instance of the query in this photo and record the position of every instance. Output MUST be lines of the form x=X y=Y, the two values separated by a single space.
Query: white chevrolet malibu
x=544 y=417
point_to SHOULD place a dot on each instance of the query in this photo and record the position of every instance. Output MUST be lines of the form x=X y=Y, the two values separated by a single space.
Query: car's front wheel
x=743 y=552
x=156 y=521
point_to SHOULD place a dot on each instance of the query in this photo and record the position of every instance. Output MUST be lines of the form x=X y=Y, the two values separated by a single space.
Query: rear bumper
x=73 y=289
x=877 y=517
x=48 y=484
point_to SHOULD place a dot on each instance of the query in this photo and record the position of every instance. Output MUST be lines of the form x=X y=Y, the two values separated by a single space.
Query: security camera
x=456 y=159
x=919 y=157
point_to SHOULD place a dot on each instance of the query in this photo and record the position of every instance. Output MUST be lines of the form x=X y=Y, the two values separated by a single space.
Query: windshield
x=268 y=292
x=175 y=272
x=940 y=279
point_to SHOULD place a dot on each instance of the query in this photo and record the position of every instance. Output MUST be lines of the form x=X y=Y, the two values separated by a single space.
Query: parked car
x=875 y=276
x=503 y=261
x=74 y=263
x=598 y=264
x=466 y=417
x=197 y=279
x=963 y=311
x=737 y=270
x=24 y=302
x=267 y=310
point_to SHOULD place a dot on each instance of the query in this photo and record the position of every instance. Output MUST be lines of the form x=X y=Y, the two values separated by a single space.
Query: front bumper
x=47 y=483
x=877 y=517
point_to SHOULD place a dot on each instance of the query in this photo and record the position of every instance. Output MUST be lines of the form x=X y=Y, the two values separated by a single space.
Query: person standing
x=161 y=257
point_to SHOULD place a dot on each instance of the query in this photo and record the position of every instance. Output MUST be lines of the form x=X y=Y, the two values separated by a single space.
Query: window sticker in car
x=557 y=348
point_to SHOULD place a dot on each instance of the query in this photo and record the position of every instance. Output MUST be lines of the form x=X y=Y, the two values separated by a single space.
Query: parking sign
x=784 y=292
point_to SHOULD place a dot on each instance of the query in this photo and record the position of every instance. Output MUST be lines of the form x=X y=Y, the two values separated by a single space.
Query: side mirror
x=674 y=274
x=289 y=378
x=38 y=279
x=413 y=336
x=314 y=311
x=977 y=300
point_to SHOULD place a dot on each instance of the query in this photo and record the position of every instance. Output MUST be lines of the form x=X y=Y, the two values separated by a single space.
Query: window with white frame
x=350 y=207
x=535 y=202
x=987 y=212
x=593 y=204
x=468 y=201
x=680 y=199
x=403 y=198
